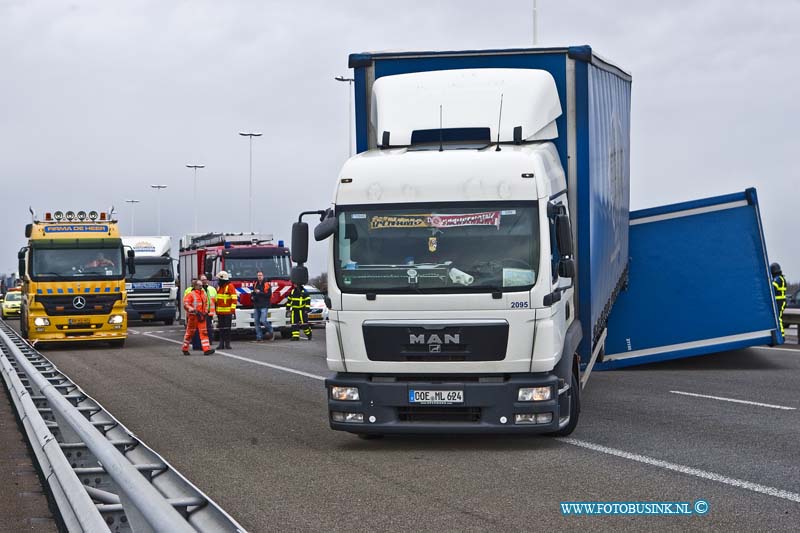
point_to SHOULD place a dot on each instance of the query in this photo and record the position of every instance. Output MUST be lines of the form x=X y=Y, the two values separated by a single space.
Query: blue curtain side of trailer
x=698 y=283
x=603 y=102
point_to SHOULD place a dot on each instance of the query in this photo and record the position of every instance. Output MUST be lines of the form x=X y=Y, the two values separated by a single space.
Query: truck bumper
x=490 y=404
x=161 y=314
x=61 y=329
x=244 y=319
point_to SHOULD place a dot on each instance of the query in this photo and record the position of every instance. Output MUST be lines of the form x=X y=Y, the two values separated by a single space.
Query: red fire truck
x=242 y=255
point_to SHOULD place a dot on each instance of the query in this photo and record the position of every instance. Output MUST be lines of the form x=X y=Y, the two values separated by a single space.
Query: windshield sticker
x=518 y=277
x=433 y=243
x=508 y=212
x=489 y=218
x=358 y=216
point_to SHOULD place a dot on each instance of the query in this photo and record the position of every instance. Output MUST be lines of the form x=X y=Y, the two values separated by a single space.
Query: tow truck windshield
x=465 y=247
x=59 y=263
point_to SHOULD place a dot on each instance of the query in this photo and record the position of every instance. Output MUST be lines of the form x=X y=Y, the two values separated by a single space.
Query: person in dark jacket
x=261 y=296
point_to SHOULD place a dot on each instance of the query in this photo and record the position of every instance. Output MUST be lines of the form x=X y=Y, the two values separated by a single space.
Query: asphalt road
x=256 y=439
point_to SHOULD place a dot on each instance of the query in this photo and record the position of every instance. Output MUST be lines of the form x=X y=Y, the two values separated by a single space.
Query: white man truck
x=480 y=240
x=152 y=292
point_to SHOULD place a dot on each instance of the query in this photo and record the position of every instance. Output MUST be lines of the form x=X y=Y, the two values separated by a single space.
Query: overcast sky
x=101 y=99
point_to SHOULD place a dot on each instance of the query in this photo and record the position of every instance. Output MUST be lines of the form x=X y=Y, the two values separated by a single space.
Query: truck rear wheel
x=574 y=393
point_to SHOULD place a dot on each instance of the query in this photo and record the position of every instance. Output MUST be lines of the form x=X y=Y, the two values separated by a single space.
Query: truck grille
x=438 y=414
x=93 y=304
x=446 y=342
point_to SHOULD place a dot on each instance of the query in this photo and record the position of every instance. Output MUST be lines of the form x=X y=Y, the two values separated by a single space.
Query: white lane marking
x=254 y=361
x=696 y=472
x=711 y=476
x=733 y=400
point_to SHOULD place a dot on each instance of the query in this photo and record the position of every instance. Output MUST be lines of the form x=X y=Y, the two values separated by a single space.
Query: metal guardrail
x=101 y=476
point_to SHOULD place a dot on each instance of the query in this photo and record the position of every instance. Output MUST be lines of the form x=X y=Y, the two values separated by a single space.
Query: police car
x=318 y=312
x=11 y=303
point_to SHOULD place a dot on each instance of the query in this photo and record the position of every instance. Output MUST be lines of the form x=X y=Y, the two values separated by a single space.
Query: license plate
x=146 y=316
x=441 y=397
x=314 y=316
x=78 y=321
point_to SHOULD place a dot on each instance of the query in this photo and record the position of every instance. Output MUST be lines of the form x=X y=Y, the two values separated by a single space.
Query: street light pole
x=195 y=167
x=250 y=205
x=158 y=204
x=133 y=211
x=349 y=114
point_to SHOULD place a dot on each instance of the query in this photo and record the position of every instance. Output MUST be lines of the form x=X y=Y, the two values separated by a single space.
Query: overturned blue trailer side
x=593 y=144
x=699 y=283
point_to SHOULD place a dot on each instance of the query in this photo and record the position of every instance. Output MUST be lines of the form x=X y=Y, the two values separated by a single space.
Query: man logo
x=435 y=341
x=79 y=302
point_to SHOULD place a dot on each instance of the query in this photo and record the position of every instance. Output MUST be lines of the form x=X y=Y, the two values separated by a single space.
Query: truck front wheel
x=23 y=325
x=574 y=394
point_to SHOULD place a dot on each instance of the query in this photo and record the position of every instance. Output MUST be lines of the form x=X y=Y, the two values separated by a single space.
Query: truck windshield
x=153 y=271
x=276 y=266
x=442 y=248
x=85 y=263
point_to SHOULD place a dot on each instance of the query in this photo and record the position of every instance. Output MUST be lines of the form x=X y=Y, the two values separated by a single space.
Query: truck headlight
x=534 y=394
x=115 y=319
x=41 y=321
x=356 y=418
x=344 y=393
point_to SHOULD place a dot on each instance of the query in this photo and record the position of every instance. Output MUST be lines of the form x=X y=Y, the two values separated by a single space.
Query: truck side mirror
x=28 y=230
x=325 y=229
x=566 y=268
x=300 y=242
x=564 y=235
x=131 y=263
x=21 y=262
x=299 y=275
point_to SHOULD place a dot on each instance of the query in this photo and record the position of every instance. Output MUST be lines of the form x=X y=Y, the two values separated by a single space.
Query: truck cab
x=453 y=309
x=152 y=292
x=73 y=273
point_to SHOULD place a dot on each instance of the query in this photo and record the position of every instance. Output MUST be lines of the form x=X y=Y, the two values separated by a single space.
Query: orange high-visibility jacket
x=195 y=301
x=226 y=299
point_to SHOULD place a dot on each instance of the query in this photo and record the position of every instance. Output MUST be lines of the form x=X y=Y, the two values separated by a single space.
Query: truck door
x=699 y=283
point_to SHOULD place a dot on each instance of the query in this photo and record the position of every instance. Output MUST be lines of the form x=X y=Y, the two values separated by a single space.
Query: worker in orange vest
x=196 y=306
x=226 y=308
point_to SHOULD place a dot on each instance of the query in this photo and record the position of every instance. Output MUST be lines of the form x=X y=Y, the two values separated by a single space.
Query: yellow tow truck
x=73 y=279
